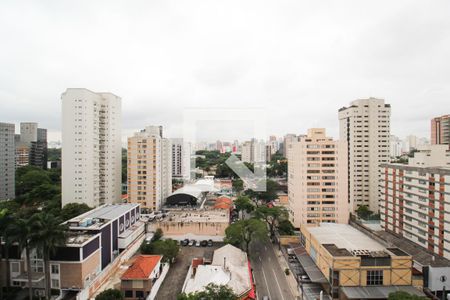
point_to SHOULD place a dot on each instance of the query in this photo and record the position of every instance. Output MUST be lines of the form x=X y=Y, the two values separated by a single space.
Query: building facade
x=253 y=151
x=354 y=266
x=31 y=146
x=317 y=180
x=415 y=199
x=396 y=147
x=140 y=278
x=287 y=144
x=7 y=161
x=440 y=130
x=149 y=168
x=365 y=126
x=97 y=242
x=181 y=153
x=91 y=155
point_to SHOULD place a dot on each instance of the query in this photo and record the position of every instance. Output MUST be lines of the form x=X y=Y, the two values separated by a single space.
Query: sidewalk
x=290 y=278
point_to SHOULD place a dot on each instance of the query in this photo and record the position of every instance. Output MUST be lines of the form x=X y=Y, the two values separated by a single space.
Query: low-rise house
x=141 y=277
x=230 y=266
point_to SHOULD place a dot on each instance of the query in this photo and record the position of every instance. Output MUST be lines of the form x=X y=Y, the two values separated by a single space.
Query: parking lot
x=173 y=283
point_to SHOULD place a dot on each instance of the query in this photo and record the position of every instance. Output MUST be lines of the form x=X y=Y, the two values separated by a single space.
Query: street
x=270 y=279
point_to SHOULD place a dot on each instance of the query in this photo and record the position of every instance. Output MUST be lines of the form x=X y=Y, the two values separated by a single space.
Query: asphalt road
x=270 y=279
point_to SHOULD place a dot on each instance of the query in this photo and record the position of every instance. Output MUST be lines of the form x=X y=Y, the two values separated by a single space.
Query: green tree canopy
x=110 y=294
x=167 y=248
x=30 y=180
x=271 y=215
x=364 y=212
x=402 y=295
x=212 y=292
x=244 y=203
x=285 y=227
x=71 y=210
x=238 y=185
x=243 y=232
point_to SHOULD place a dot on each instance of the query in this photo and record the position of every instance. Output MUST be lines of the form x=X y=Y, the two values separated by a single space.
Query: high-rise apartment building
x=181 y=154
x=31 y=146
x=317 y=180
x=287 y=144
x=440 y=130
x=413 y=199
x=253 y=151
x=38 y=149
x=395 y=147
x=149 y=168
x=365 y=126
x=273 y=143
x=7 y=161
x=91 y=147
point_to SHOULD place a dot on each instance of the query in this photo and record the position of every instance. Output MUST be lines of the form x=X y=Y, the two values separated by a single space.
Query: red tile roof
x=142 y=267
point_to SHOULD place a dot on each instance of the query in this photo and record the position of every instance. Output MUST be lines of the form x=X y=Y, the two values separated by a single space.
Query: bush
x=286 y=271
x=110 y=294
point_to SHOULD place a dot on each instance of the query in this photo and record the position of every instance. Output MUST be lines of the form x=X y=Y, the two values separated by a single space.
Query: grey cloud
x=300 y=60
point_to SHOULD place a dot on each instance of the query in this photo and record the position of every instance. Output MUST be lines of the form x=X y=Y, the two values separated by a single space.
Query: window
x=140 y=294
x=375 y=277
x=15 y=267
x=55 y=283
x=128 y=294
x=55 y=269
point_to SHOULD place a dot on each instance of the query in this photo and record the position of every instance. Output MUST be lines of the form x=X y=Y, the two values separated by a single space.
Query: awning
x=311 y=269
x=377 y=292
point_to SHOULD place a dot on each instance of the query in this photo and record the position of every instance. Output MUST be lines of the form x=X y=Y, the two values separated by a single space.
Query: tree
x=268 y=195
x=22 y=231
x=271 y=215
x=243 y=203
x=49 y=234
x=243 y=232
x=31 y=179
x=167 y=248
x=363 y=212
x=285 y=227
x=110 y=294
x=71 y=210
x=157 y=235
x=238 y=185
x=212 y=292
x=124 y=165
x=402 y=295
x=5 y=224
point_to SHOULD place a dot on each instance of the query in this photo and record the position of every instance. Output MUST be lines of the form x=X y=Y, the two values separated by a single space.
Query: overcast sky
x=299 y=60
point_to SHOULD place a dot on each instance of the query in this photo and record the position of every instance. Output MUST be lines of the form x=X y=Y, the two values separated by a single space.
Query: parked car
x=210 y=243
x=204 y=243
x=265 y=298
x=191 y=242
x=185 y=242
x=197 y=244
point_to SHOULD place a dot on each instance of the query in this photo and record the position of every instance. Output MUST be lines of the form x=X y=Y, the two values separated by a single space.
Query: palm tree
x=5 y=221
x=50 y=234
x=22 y=231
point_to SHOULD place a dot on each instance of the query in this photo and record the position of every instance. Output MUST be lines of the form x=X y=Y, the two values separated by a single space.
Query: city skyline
x=301 y=65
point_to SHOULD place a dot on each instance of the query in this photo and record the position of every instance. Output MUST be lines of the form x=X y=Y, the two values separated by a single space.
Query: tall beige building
x=149 y=168
x=365 y=126
x=91 y=147
x=317 y=180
